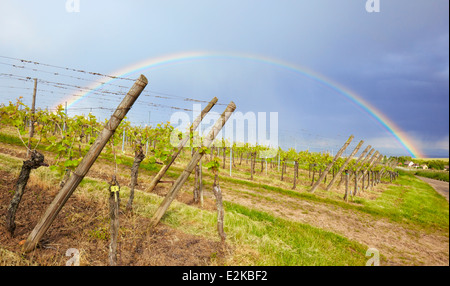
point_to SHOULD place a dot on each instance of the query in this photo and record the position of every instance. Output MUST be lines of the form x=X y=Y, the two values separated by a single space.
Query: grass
x=412 y=201
x=284 y=242
x=8 y=258
x=260 y=238
x=409 y=201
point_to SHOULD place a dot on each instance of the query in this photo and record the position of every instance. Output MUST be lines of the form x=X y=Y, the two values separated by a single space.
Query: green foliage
x=436 y=164
x=71 y=137
x=101 y=233
x=442 y=176
x=213 y=164
x=403 y=159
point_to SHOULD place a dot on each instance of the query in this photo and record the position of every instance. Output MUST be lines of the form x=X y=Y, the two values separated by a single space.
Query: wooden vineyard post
x=114 y=203
x=220 y=212
x=325 y=172
x=176 y=187
x=84 y=166
x=374 y=174
x=196 y=184
x=183 y=142
x=363 y=161
x=252 y=163
x=346 y=185
x=363 y=184
x=295 y=174
x=278 y=161
x=345 y=164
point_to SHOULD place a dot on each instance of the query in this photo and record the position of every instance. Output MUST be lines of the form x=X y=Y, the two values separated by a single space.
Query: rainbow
x=382 y=119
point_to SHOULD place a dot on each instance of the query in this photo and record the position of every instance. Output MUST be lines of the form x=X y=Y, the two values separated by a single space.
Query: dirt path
x=440 y=186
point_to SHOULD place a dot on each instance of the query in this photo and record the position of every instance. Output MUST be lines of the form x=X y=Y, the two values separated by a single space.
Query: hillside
x=266 y=222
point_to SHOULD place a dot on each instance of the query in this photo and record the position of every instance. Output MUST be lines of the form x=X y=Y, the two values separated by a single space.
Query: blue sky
x=397 y=60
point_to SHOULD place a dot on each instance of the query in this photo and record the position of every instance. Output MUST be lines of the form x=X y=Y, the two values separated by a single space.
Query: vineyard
x=126 y=195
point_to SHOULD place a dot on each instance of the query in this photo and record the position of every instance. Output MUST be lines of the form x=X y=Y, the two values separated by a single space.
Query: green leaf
x=71 y=163
x=53 y=168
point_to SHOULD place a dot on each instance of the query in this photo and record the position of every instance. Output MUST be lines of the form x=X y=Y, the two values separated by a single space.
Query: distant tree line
x=432 y=164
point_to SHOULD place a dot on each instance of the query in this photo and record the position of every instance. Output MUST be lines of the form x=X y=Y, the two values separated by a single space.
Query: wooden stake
x=220 y=211
x=375 y=156
x=87 y=162
x=33 y=111
x=345 y=164
x=183 y=142
x=114 y=203
x=190 y=167
x=201 y=183
x=366 y=159
x=362 y=159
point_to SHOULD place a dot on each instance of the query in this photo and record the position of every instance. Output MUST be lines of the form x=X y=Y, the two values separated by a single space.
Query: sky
x=304 y=60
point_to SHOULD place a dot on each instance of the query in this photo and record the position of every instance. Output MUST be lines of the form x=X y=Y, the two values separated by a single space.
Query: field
x=266 y=221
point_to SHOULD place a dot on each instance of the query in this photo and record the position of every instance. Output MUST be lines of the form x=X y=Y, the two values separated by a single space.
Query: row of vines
x=70 y=138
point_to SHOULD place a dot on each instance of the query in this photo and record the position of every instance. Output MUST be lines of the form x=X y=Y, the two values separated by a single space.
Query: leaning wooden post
x=375 y=163
x=322 y=176
x=361 y=159
x=183 y=142
x=345 y=164
x=364 y=161
x=176 y=187
x=87 y=162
